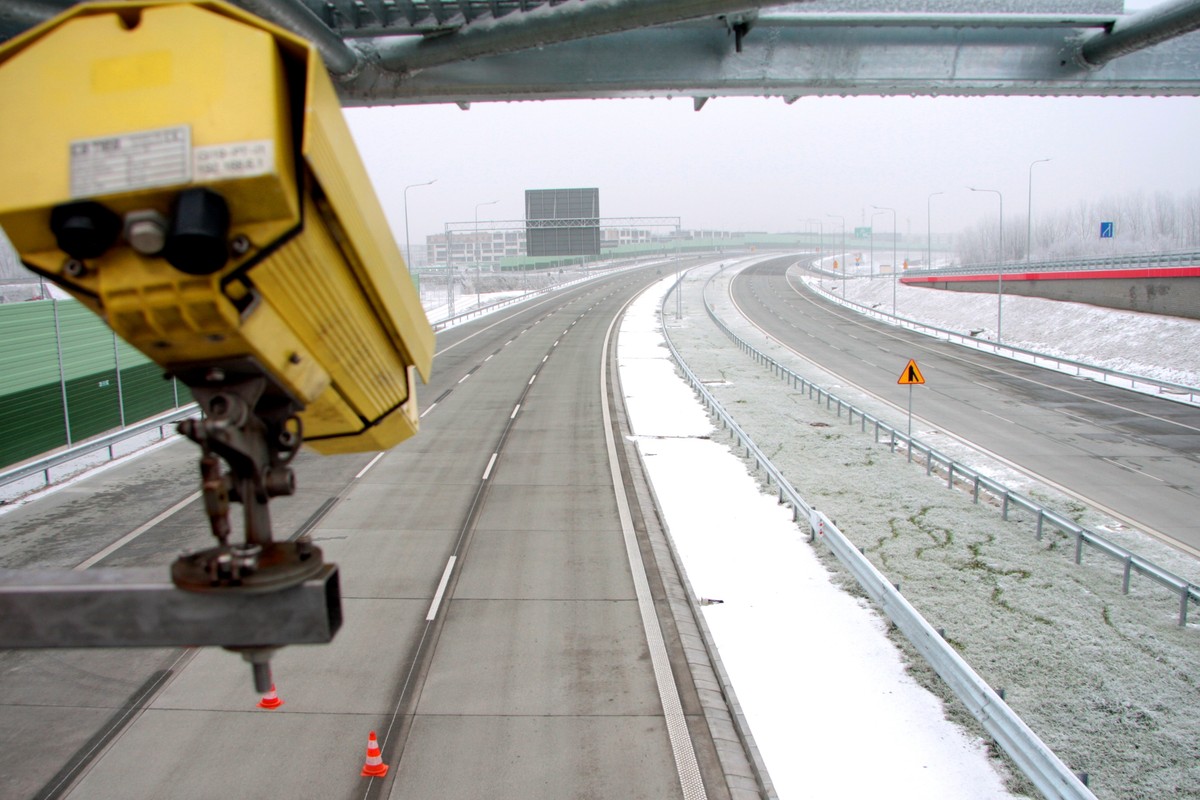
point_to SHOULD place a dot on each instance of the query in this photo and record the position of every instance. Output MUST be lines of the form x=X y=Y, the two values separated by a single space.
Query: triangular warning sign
x=911 y=374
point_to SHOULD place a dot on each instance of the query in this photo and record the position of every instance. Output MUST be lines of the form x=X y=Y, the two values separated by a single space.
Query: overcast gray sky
x=759 y=164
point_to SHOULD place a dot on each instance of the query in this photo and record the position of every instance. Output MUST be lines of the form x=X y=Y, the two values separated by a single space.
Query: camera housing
x=185 y=171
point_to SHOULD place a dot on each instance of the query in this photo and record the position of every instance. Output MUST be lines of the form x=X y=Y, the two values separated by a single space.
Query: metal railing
x=1178 y=392
x=1033 y=758
x=108 y=442
x=1189 y=258
x=959 y=474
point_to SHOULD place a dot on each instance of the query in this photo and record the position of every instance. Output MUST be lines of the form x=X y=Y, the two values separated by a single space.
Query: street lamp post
x=999 y=265
x=449 y=272
x=407 y=246
x=1029 y=213
x=871 y=266
x=929 y=230
x=843 y=221
x=820 y=232
x=894 y=270
x=477 y=250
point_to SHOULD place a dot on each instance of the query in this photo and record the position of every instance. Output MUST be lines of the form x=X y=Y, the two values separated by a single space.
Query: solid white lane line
x=491 y=463
x=363 y=471
x=515 y=410
x=136 y=532
x=441 y=590
x=686 y=764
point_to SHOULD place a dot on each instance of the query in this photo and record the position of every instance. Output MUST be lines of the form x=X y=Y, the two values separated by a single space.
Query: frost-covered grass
x=1107 y=680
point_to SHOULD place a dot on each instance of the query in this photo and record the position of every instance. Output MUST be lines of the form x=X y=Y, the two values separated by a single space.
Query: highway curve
x=1128 y=454
x=502 y=635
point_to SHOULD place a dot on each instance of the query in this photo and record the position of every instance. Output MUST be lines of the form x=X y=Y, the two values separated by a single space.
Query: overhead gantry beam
x=390 y=52
x=796 y=54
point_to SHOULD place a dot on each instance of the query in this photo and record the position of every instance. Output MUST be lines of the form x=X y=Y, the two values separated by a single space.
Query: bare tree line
x=1142 y=223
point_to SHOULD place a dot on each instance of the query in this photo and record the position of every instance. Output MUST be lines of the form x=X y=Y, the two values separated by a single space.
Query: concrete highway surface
x=512 y=627
x=1131 y=455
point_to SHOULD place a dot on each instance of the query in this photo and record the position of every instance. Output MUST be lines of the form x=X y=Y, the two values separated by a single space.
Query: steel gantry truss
x=568 y=222
x=390 y=52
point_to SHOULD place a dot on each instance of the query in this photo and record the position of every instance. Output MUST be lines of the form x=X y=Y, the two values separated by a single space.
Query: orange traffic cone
x=270 y=699
x=374 y=766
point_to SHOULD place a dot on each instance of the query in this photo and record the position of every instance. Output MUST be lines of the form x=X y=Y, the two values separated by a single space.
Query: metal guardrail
x=1033 y=758
x=958 y=474
x=45 y=464
x=1144 y=261
x=1178 y=392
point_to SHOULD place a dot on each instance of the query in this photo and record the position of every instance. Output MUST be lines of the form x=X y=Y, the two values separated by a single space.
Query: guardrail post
x=1041 y=518
x=950 y=475
x=928 y=461
x=1183 y=605
x=976 y=492
x=1004 y=508
x=1079 y=547
x=1128 y=571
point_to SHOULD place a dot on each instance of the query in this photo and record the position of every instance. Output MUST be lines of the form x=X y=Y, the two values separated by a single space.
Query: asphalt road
x=1131 y=455
x=502 y=635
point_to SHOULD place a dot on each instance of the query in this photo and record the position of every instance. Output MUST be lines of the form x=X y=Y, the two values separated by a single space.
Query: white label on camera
x=129 y=161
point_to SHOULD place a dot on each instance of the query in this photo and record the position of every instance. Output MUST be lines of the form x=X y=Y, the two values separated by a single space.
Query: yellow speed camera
x=185 y=171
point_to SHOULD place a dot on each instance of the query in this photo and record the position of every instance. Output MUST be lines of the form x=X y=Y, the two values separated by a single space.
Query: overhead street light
x=820 y=232
x=843 y=221
x=479 y=250
x=929 y=230
x=407 y=248
x=1000 y=263
x=881 y=209
x=871 y=271
x=1029 y=214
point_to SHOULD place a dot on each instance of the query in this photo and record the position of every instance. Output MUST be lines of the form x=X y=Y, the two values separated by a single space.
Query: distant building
x=489 y=247
x=484 y=247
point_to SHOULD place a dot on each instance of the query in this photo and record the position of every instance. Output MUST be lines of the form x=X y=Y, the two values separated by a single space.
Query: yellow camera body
x=184 y=170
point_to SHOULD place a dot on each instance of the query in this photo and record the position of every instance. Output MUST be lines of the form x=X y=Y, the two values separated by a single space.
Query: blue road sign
x=1106 y=230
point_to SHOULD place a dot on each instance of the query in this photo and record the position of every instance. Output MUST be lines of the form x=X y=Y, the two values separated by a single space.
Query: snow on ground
x=824 y=690
x=1151 y=345
x=1107 y=680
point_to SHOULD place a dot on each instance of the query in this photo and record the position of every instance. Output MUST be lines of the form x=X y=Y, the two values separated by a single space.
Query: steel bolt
x=146 y=232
